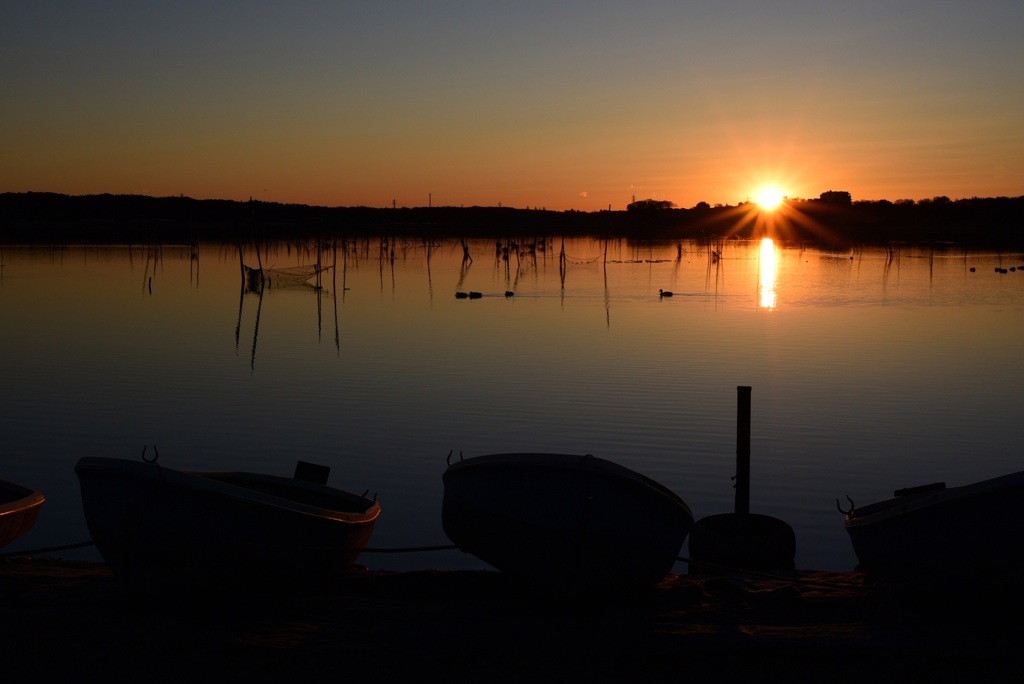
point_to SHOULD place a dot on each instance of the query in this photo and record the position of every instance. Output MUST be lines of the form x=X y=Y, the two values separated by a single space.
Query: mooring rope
x=48 y=549
x=67 y=547
x=411 y=549
x=792 y=579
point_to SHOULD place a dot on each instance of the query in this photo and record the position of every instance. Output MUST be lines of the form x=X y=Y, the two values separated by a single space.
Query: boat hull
x=567 y=521
x=160 y=528
x=941 y=530
x=19 y=510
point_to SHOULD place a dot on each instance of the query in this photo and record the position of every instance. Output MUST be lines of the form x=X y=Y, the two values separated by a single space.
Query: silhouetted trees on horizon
x=832 y=218
x=648 y=204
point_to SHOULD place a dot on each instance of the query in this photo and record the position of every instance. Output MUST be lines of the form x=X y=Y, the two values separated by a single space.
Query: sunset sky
x=562 y=105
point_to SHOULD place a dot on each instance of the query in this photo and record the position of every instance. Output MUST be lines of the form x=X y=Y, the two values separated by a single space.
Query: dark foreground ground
x=70 y=620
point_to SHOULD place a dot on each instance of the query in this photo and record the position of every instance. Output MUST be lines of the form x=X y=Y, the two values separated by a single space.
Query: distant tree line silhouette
x=648 y=204
x=832 y=218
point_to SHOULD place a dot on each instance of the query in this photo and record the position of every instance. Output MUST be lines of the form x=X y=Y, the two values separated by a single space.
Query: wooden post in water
x=743 y=539
x=743 y=450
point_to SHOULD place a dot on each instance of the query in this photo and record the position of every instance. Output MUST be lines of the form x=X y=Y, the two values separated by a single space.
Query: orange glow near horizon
x=449 y=110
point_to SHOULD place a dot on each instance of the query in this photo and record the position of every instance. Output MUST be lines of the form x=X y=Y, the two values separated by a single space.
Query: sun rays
x=789 y=220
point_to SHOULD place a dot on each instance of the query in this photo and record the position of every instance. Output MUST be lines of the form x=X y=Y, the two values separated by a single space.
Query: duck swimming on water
x=664 y=293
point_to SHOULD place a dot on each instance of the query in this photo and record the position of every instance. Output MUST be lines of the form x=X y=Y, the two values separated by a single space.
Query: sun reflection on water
x=768 y=268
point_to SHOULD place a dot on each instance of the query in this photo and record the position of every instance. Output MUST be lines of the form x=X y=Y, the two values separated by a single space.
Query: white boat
x=163 y=528
x=575 y=523
x=19 y=510
x=934 y=529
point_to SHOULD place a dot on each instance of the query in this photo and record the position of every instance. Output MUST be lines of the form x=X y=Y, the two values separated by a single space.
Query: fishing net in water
x=292 y=276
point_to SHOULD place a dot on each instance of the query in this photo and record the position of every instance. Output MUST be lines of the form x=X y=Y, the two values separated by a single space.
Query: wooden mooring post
x=743 y=450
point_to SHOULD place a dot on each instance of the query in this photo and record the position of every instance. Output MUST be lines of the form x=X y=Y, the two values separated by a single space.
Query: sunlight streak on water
x=768 y=266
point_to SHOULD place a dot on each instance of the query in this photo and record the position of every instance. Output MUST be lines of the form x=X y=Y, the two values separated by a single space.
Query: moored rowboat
x=576 y=523
x=933 y=529
x=19 y=510
x=160 y=528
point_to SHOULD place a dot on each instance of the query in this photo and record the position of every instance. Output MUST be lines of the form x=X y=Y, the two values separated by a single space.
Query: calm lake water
x=871 y=370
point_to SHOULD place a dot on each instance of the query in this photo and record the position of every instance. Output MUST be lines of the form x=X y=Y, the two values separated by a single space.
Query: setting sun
x=769 y=197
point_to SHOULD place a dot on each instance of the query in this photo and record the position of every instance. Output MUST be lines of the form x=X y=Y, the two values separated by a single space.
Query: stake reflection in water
x=767 y=268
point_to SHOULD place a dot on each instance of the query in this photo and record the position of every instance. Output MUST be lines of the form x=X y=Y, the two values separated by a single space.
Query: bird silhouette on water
x=664 y=293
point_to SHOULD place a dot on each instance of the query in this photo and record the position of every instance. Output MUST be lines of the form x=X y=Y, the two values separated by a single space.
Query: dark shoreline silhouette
x=831 y=220
x=459 y=626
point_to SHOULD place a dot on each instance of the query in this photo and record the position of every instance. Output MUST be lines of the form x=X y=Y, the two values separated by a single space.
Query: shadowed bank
x=62 y=619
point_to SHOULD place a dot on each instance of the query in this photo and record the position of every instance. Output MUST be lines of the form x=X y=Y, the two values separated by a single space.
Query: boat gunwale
x=25 y=498
x=566 y=462
x=886 y=509
x=209 y=482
